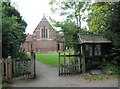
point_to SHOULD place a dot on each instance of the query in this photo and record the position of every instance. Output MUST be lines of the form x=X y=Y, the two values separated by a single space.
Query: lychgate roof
x=90 y=38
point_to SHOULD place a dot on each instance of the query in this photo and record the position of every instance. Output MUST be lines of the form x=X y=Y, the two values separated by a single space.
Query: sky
x=33 y=11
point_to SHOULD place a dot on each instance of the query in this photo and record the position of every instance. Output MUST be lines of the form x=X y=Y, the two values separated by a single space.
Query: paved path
x=48 y=77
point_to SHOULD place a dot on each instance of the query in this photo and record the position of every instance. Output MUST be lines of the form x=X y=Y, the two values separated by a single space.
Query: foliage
x=72 y=24
x=13 y=28
x=91 y=77
x=70 y=33
x=22 y=55
x=5 y=84
x=110 y=69
x=113 y=30
x=104 y=19
x=98 y=16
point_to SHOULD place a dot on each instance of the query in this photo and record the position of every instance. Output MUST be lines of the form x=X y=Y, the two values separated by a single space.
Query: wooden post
x=2 y=68
x=69 y=64
x=9 y=60
x=33 y=74
x=34 y=65
x=59 y=62
x=64 y=58
x=6 y=69
x=83 y=57
x=64 y=71
x=79 y=64
x=1 y=73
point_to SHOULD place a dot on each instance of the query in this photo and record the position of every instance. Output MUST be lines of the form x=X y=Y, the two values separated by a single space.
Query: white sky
x=32 y=12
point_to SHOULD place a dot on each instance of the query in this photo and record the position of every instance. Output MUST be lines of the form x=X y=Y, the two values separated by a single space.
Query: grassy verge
x=91 y=77
x=51 y=59
x=5 y=84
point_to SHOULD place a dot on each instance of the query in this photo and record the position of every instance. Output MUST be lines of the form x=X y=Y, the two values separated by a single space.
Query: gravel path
x=48 y=77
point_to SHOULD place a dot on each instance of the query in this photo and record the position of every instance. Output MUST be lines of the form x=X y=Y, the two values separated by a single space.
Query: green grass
x=51 y=59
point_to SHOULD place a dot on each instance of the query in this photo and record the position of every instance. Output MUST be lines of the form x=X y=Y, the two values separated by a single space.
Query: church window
x=44 y=33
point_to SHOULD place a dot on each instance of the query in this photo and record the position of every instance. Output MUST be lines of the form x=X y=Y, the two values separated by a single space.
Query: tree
x=104 y=19
x=72 y=24
x=13 y=28
x=113 y=30
x=70 y=33
x=98 y=17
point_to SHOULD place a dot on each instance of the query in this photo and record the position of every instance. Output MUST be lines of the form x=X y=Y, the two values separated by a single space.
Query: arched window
x=44 y=33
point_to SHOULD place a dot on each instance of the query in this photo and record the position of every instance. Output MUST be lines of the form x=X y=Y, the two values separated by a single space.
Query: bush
x=91 y=77
x=22 y=55
x=110 y=69
x=5 y=84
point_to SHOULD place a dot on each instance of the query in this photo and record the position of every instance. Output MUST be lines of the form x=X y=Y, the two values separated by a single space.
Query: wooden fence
x=6 y=68
x=21 y=67
x=69 y=64
x=12 y=68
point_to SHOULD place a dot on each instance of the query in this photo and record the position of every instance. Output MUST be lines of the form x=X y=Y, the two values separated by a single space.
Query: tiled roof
x=90 y=38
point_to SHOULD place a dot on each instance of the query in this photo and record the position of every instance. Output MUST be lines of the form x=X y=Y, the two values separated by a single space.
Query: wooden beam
x=83 y=57
x=33 y=74
x=70 y=55
x=59 y=62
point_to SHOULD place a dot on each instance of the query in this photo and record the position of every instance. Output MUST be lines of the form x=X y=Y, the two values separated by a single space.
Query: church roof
x=90 y=38
x=45 y=22
x=44 y=19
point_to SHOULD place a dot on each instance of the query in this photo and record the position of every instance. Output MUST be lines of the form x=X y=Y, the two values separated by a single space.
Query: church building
x=43 y=38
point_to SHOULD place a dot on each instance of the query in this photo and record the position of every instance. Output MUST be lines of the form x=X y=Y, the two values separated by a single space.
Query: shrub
x=91 y=77
x=110 y=69
x=5 y=84
x=22 y=55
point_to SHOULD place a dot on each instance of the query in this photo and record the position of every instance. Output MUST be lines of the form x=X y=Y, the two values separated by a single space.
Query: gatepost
x=33 y=71
x=0 y=73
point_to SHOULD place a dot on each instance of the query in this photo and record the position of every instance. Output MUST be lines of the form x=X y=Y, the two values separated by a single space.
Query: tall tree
x=104 y=19
x=70 y=33
x=113 y=31
x=98 y=17
x=13 y=28
x=72 y=24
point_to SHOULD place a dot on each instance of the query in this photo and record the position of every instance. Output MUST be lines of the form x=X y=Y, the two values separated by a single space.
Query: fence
x=12 y=68
x=21 y=67
x=69 y=64
x=6 y=69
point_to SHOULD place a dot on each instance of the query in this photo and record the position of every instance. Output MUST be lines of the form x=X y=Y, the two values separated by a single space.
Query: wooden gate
x=12 y=68
x=69 y=64
x=21 y=67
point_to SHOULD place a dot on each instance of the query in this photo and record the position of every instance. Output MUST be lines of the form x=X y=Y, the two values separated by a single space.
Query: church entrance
x=58 y=46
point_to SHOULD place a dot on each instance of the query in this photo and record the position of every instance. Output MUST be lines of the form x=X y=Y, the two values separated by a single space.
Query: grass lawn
x=51 y=59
